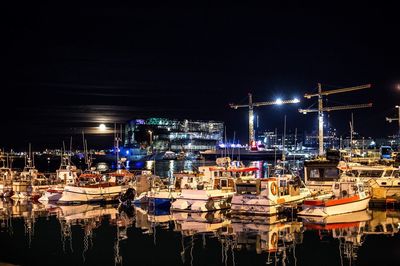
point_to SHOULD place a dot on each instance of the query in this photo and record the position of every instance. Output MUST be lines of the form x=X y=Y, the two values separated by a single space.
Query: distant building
x=271 y=140
x=163 y=134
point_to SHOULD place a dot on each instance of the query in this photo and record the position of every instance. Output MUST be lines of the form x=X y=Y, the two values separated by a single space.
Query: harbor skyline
x=72 y=69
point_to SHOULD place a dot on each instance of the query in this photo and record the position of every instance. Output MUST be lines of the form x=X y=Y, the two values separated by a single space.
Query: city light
x=102 y=127
x=296 y=100
x=278 y=101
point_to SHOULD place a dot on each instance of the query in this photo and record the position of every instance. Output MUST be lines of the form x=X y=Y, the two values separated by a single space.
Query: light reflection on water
x=109 y=235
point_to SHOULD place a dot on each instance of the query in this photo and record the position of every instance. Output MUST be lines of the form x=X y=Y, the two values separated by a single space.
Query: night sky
x=69 y=68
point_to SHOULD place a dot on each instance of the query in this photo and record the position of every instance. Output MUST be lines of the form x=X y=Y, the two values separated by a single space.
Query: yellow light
x=102 y=127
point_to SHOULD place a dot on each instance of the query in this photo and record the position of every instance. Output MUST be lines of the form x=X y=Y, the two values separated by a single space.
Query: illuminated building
x=172 y=134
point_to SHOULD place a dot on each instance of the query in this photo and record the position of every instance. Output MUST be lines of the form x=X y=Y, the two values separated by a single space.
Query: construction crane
x=251 y=106
x=321 y=109
x=389 y=119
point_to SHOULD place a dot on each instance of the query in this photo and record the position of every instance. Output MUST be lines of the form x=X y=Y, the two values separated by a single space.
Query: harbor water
x=91 y=234
x=37 y=234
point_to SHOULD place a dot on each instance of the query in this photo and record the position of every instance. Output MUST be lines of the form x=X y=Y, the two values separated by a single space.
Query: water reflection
x=108 y=234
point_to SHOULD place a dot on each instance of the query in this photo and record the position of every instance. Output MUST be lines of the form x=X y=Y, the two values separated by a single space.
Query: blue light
x=127 y=152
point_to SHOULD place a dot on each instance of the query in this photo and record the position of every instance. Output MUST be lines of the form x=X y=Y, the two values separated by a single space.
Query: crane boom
x=336 y=108
x=321 y=109
x=251 y=106
x=325 y=93
x=277 y=102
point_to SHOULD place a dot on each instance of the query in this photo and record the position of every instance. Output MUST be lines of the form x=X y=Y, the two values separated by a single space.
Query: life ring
x=274 y=239
x=274 y=188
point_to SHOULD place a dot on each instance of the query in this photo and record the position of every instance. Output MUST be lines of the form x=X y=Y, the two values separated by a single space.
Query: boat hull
x=347 y=207
x=75 y=194
x=51 y=195
x=202 y=201
x=258 y=205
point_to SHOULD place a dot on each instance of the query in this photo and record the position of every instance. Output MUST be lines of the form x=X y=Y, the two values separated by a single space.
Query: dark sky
x=72 y=67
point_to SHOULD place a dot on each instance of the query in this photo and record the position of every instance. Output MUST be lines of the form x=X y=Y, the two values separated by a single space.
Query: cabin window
x=314 y=173
x=215 y=174
x=331 y=173
x=388 y=173
x=383 y=183
x=246 y=189
x=373 y=173
x=323 y=174
x=224 y=183
x=396 y=174
x=336 y=185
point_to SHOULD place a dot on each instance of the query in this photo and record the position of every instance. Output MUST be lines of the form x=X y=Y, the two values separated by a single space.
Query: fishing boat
x=385 y=177
x=6 y=178
x=268 y=196
x=149 y=189
x=216 y=189
x=349 y=196
x=30 y=183
x=90 y=188
x=67 y=174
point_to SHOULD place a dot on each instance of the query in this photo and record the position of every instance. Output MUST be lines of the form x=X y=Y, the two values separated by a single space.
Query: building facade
x=163 y=134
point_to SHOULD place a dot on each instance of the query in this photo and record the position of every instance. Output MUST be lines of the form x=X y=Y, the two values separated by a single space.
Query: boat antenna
x=295 y=144
x=225 y=143
x=233 y=142
x=283 y=139
x=351 y=135
x=70 y=148
x=276 y=141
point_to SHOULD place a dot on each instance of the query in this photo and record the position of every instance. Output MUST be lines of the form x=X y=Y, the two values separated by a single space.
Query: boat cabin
x=269 y=187
x=320 y=171
x=347 y=189
x=364 y=171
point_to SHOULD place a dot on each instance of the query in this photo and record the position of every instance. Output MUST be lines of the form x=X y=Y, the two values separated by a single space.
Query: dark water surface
x=36 y=234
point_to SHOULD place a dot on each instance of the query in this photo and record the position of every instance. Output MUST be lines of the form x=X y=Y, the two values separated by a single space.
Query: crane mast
x=251 y=106
x=321 y=109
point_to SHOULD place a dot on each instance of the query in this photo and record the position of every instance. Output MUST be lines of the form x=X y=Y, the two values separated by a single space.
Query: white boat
x=320 y=175
x=159 y=195
x=268 y=196
x=91 y=188
x=376 y=176
x=349 y=196
x=216 y=189
x=30 y=183
x=6 y=177
x=67 y=174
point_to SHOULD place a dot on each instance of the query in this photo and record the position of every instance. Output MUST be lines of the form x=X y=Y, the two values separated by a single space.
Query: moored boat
x=349 y=196
x=216 y=190
x=268 y=196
